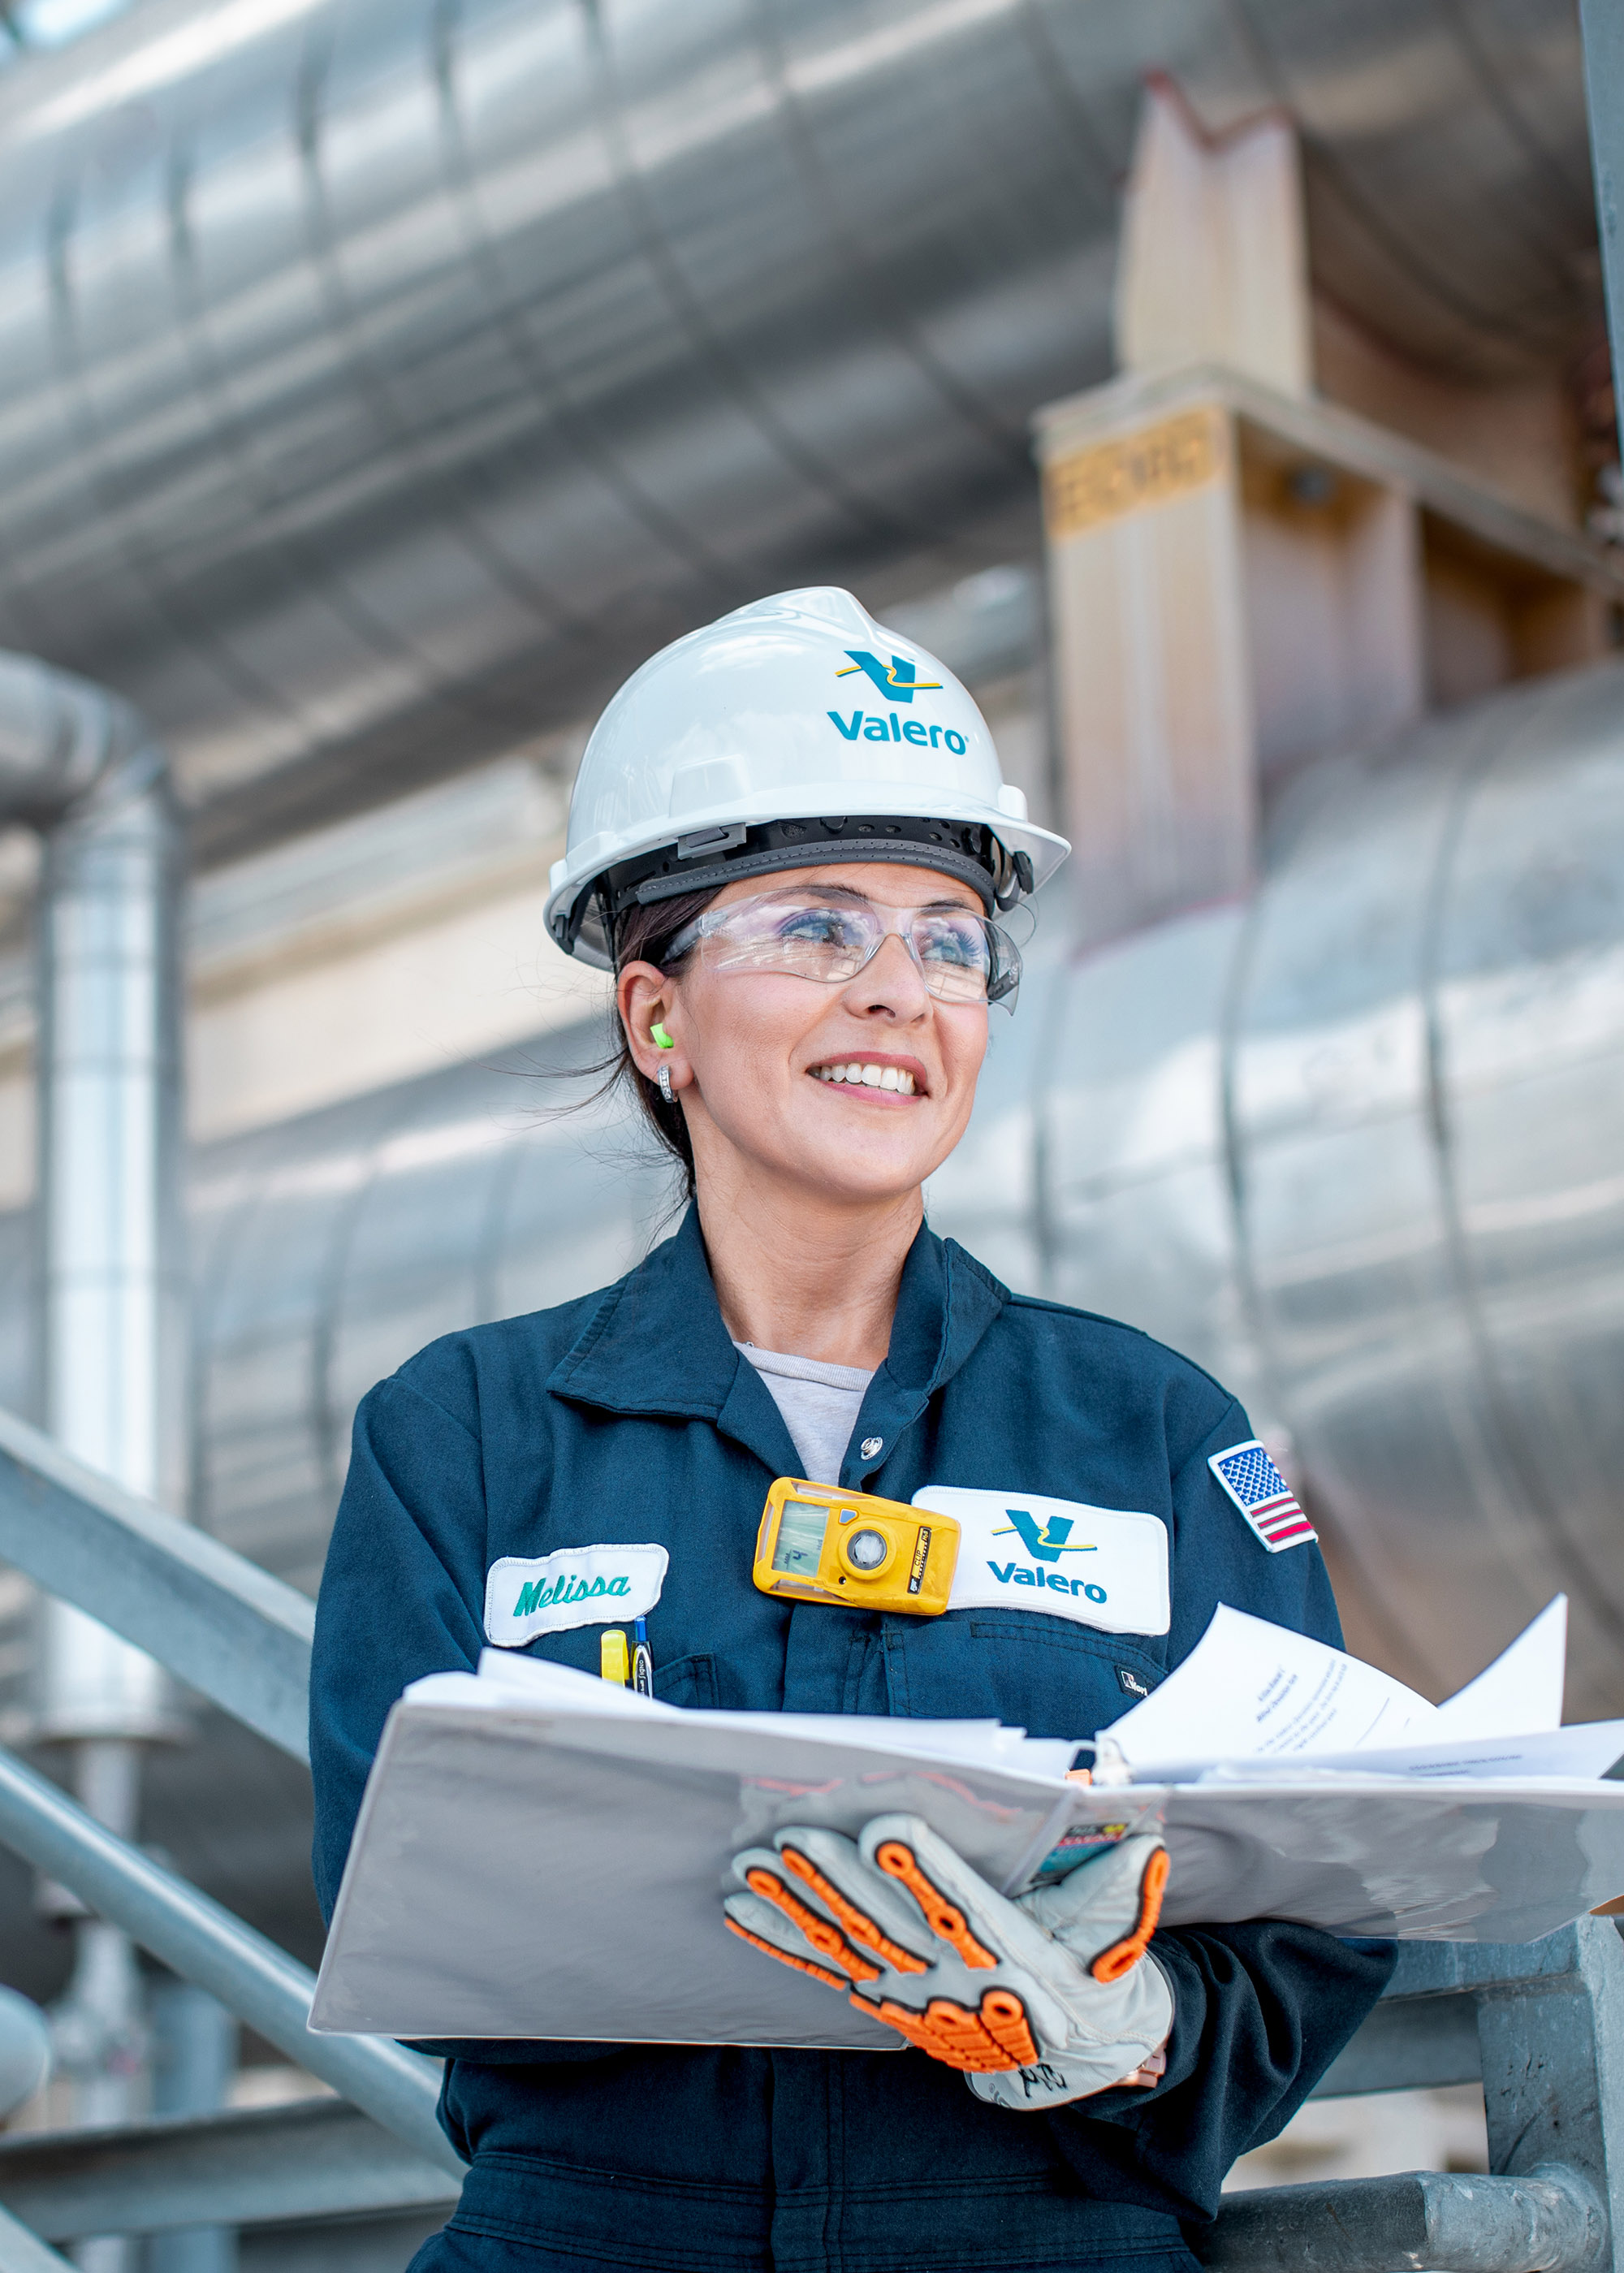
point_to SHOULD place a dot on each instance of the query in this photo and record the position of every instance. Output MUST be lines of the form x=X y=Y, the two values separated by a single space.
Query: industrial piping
x=81 y=767
x=384 y=379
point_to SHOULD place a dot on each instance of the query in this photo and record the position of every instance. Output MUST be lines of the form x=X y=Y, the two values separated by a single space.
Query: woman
x=790 y=840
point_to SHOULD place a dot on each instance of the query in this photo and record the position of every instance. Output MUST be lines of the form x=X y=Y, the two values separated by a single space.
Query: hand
x=1039 y=2001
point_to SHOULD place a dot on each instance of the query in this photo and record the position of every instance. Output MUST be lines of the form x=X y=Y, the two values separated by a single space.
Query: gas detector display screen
x=800 y=1537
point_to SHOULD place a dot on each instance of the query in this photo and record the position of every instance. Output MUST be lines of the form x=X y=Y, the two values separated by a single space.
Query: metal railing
x=1540 y=2024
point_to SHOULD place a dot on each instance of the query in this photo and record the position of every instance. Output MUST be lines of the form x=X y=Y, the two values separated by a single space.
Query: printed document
x=1251 y=1693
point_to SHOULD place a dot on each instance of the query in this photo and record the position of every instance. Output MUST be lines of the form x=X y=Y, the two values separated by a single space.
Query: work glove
x=1039 y=2001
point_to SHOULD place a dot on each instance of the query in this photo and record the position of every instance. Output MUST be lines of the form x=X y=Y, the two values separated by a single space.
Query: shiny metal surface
x=1357 y=1148
x=383 y=376
x=82 y=767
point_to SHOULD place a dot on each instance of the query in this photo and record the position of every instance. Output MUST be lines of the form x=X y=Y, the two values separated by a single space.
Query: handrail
x=204 y=1943
x=1450 y=2221
x=22 y=2252
x=222 y=1625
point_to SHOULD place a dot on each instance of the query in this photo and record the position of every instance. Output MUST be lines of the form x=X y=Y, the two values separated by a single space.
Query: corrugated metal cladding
x=385 y=377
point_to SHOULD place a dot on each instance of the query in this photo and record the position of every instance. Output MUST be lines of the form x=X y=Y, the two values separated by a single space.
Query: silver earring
x=663 y=1076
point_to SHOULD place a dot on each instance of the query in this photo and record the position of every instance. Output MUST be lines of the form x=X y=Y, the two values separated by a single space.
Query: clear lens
x=962 y=955
x=810 y=940
x=956 y=956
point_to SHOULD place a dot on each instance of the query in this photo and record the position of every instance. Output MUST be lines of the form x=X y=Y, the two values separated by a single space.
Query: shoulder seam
x=410 y=1388
x=1099 y=1318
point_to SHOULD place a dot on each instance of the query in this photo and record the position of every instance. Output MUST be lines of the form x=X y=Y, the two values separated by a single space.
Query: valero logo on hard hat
x=720 y=758
x=895 y=679
x=899 y=682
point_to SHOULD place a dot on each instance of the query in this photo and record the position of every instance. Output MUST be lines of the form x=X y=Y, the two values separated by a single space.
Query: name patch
x=1099 y=1566
x=575 y=1587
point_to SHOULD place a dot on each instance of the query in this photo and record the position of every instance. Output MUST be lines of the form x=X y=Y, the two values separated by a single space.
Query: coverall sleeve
x=410 y=1523
x=389 y=1609
x=1259 y=2010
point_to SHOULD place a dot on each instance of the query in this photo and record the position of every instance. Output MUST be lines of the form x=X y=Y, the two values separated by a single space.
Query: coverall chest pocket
x=1047 y=1675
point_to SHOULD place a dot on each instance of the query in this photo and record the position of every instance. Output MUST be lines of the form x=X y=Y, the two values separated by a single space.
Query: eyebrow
x=850 y=892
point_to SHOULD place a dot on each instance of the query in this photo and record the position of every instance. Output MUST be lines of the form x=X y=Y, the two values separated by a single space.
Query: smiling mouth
x=857 y=1073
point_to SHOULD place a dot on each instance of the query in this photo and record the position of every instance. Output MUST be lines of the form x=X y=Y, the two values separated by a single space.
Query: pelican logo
x=1047 y=1541
x=895 y=679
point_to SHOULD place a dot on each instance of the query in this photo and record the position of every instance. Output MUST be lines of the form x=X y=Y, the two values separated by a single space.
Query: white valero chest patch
x=1099 y=1566
x=574 y=1587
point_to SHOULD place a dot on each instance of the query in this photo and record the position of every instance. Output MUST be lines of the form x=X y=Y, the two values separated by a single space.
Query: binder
x=542 y=1855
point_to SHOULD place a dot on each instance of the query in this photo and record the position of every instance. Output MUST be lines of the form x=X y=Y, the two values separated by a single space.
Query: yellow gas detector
x=819 y=1544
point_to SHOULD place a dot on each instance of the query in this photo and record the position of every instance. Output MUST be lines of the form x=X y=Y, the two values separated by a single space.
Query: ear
x=646 y=997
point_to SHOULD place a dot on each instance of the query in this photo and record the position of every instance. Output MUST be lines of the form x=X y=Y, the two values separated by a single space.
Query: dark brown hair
x=644 y=934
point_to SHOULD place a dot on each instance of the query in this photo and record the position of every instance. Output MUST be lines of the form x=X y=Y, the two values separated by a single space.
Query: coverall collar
x=657 y=1345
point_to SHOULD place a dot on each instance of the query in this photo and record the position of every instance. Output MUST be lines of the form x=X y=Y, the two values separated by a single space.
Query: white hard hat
x=792 y=733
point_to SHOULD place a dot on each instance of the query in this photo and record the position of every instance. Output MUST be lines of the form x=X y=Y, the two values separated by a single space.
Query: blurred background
x=1220 y=387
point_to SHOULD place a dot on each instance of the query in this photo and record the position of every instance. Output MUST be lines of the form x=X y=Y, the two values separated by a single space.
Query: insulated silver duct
x=383 y=378
x=81 y=767
x=1355 y=1146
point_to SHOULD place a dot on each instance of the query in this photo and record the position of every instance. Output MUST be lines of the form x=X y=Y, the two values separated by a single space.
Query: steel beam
x=204 y=1943
x=250 y=2166
x=1408 y=2043
x=1549 y=2221
x=223 y=1626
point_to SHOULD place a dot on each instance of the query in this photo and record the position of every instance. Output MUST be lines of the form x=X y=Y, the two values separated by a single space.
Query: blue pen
x=642 y=1661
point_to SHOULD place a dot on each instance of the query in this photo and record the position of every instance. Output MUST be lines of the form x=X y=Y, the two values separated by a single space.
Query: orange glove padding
x=1039 y=2000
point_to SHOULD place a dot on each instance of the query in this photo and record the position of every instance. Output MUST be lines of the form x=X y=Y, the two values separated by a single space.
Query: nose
x=890 y=984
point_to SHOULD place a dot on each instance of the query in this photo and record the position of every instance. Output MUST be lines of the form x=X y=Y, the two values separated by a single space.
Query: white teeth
x=869 y=1077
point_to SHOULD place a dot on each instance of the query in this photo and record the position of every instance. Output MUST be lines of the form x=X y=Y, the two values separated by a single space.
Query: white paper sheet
x=1252 y=1689
x=1251 y=1692
x=507 y=1683
x=1520 y=1693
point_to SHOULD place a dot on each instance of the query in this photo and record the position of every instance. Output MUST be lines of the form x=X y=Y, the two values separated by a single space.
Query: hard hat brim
x=590 y=862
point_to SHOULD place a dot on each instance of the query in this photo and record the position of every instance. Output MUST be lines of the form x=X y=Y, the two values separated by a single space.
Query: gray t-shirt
x=819 y=1403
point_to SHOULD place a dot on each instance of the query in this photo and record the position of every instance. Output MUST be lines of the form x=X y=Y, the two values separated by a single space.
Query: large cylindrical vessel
x=383 y=378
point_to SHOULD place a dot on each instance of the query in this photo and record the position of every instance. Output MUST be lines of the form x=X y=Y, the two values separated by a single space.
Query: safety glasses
x=962 y=955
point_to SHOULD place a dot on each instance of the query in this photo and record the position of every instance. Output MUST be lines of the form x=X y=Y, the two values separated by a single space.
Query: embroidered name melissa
x=527 y=1595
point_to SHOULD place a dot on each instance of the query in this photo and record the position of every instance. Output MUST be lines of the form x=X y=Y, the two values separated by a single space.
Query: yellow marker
x=614 y=1658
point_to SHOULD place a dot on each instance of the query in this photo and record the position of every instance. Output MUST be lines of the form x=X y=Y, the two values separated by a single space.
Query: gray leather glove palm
x=1039 y=2001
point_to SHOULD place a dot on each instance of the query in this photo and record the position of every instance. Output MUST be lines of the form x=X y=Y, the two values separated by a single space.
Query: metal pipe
x=386 y=376
x=195 y=1938
x=78 y=765
x=1547 y=2221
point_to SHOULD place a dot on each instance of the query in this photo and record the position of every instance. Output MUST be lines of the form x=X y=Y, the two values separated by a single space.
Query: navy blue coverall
x=629 y=1415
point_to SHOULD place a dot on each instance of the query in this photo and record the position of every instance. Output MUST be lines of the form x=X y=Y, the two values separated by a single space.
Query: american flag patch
x=1263 y=1496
